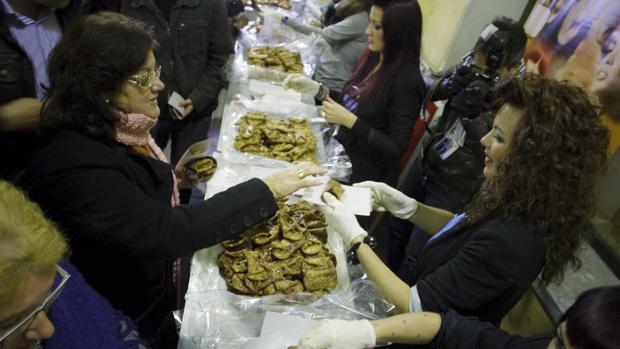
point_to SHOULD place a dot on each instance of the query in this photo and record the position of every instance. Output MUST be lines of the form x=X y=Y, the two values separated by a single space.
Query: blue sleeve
x=84 y=319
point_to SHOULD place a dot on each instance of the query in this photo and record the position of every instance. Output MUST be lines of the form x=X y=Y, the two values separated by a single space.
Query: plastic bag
x=216 y=318
x=305 y=45
x=283 y=110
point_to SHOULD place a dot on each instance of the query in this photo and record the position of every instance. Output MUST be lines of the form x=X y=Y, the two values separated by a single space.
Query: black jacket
x=480 y=271
x=17 y=81
x=460 y=332
x=458 y=177
x=194 y=45
x=378 y=139
x=115 y=207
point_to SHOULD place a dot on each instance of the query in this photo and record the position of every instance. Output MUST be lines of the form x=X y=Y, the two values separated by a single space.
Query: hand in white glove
x=301 y=83
x=387 y=198
x=341 y=220
x=286 y=182
x=273 y=16
x=340 y=334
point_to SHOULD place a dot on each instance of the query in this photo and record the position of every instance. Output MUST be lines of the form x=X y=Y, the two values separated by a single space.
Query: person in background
x=449 y=172
x=29 y=30
x=44 y=301
x=100 y=175
x=381 y=100
x=346 y=39
x=592 y=322
x=194 y=44
x=543 y=158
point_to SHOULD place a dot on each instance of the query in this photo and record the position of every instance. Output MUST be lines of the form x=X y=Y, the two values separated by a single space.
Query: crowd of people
x=95 y=225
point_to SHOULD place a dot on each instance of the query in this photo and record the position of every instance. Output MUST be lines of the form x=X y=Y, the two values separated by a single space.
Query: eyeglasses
x=559 y=339
x=146 y=79
x=23 y=324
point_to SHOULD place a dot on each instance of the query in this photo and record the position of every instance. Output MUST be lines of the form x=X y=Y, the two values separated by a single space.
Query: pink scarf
x=133 y=130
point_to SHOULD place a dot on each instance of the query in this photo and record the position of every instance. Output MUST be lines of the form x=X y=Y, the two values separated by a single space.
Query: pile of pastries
x=285 y=255
x=288 y=140
x=276 y=57
x=285 y=4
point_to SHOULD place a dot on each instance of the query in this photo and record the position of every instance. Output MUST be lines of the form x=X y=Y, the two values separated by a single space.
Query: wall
x=451 y=27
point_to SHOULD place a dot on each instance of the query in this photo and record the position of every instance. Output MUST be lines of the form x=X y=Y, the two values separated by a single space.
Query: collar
x=8 y=11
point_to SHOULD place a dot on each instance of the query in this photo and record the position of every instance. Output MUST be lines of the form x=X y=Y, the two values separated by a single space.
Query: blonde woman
x=45 y=302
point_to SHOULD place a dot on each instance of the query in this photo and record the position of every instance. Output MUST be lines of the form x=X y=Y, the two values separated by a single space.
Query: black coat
x=378 y=139
x=481 y=271
x=114 y=205
x=460 y=332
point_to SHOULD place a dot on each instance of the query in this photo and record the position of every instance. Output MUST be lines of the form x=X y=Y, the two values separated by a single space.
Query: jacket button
x=219 y=236
x=263 y=212
x=247 y=221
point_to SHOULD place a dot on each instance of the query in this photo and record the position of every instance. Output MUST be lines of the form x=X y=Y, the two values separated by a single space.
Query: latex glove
x=301 y=83
x=286 y=182
x=341 y=219
x=340 y=334
x=274 y=16
x=387 y=198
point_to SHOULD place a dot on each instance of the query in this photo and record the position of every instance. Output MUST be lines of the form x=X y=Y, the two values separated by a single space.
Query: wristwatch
x=352 y=252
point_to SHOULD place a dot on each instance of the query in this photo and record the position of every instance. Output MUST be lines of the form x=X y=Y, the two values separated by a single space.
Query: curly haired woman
x=543 y=157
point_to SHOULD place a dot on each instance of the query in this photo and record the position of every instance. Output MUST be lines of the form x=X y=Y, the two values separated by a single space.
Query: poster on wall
x=579 y=40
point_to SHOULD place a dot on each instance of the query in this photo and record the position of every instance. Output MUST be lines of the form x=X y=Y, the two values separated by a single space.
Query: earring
x=107 y=100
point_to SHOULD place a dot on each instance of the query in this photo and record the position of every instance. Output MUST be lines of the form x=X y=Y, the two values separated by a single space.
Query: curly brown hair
x=550 y=171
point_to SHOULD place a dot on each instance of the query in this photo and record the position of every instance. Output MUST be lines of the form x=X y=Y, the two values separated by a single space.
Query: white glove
x=341 y=220
x=274 y=16
x=340 y=334
x=387 y=198
x=301 y=83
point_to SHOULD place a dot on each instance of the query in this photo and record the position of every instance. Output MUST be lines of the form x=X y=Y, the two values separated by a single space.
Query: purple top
x=37 y=37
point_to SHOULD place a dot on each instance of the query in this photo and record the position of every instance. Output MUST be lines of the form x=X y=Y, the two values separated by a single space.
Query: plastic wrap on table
x=275 y=32
x=337 y=162
x=283 y=110
x=306 y=46
x=217 y=318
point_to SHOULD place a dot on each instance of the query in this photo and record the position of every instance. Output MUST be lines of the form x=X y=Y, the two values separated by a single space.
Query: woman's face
x=32 y=292
x=497 y=142
x=375 y=30
x=133 y=98
x=607 y=79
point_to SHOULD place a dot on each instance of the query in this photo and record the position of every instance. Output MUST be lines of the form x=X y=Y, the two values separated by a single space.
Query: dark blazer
x=462 y=332
x=378 y=139
x=481 y=271
x=115 y=207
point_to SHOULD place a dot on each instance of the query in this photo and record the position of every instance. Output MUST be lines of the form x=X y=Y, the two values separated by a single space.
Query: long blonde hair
x=29 y=242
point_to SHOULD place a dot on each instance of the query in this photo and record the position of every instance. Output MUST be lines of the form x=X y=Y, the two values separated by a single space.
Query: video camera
x=469 y=86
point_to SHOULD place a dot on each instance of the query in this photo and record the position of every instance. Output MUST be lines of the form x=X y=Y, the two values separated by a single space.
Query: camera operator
x=449 y=171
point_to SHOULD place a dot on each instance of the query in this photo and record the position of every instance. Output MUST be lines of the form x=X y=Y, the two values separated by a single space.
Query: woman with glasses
x=100 y=175
x=592 y=322
x=44 y=301
x=543 y=159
